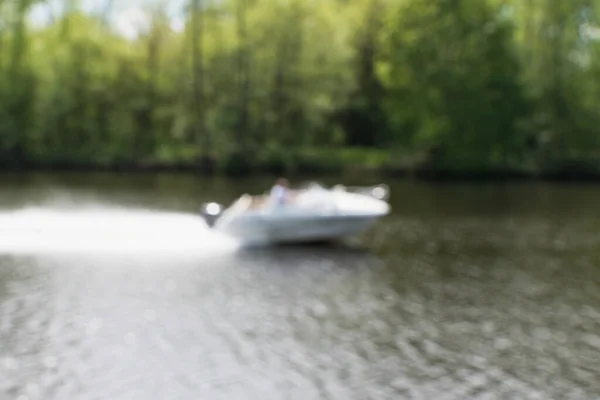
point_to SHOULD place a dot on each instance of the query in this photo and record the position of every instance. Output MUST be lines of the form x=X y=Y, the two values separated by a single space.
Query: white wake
x=35 y=230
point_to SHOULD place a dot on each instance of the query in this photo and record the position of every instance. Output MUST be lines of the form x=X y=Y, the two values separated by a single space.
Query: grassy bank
x=318 y=161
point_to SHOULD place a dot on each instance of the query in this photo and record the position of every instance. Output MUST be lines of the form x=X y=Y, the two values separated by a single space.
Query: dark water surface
x=111 y=288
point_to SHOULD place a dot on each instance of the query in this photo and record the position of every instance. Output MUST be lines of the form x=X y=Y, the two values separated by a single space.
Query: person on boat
x=279 y=192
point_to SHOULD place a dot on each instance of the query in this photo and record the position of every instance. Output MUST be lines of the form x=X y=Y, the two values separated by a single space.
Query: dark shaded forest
x=463 y=86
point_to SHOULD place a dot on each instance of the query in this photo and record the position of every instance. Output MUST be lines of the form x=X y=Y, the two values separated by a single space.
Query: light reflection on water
x=443 y=306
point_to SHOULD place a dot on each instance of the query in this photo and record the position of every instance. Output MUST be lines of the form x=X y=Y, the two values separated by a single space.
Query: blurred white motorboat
x=314 y=214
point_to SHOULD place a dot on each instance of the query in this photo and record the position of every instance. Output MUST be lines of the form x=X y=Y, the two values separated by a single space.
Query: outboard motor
x=211 y=212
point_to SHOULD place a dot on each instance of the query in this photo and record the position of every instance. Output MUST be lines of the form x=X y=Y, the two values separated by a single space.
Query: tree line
x=457 y=84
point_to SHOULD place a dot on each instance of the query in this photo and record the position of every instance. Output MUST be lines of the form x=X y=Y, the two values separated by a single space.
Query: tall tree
x=453 y=82
x=363 y=119
x=201 y=135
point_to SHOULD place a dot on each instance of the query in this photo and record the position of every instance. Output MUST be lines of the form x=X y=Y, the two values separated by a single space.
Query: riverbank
x=320 y=162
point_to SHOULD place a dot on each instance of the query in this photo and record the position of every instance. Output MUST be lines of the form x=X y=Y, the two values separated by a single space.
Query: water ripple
x=459 y=309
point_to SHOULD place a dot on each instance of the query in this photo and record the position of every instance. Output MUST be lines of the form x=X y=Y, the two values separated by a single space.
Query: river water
x=111 y=287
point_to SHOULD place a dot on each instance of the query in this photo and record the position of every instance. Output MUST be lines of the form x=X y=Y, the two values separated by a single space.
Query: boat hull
x=309 y=229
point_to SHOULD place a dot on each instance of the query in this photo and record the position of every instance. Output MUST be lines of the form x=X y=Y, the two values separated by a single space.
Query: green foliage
x=289 y=85
x=454 y=86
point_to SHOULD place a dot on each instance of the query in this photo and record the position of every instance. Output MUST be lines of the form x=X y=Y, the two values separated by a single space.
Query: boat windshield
x=309 y=185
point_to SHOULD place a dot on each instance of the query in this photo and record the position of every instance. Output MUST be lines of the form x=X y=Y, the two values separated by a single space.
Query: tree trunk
x=18 y=44
x=243 y=76
x=278 y=103
x=2 y=33
x=147 y=122
x=201 y=137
